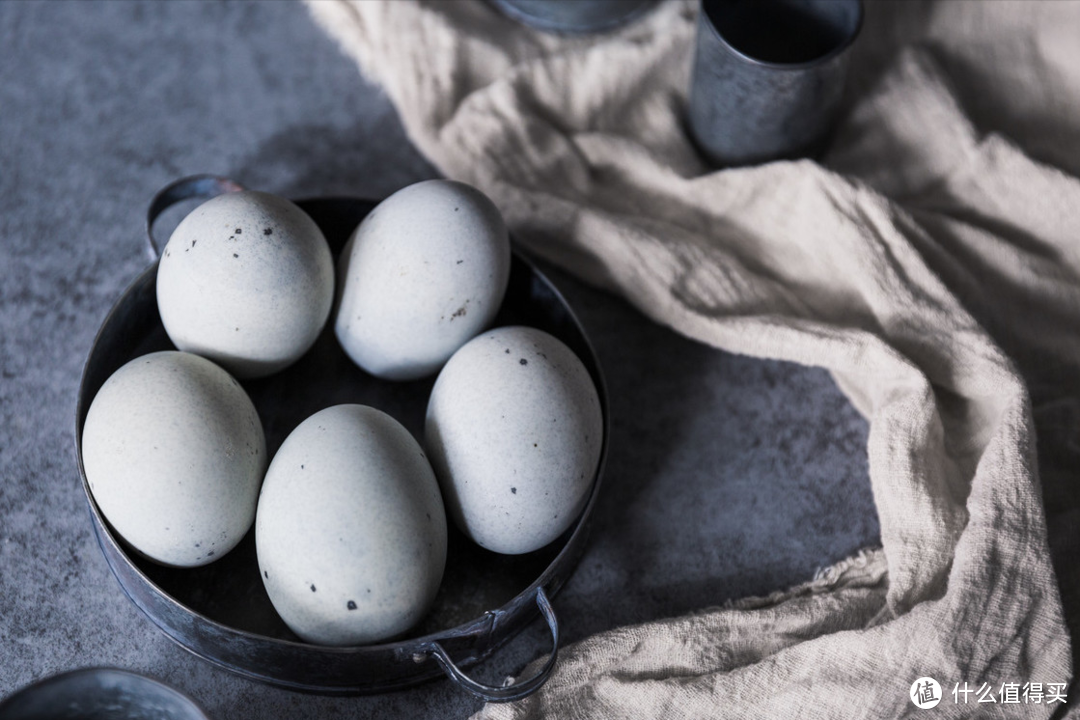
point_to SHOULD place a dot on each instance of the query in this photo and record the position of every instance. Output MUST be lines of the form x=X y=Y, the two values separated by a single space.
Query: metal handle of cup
x=519 y=689
x=193 y=186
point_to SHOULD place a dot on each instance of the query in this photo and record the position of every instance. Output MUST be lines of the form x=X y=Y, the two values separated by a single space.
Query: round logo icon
x=925 y=693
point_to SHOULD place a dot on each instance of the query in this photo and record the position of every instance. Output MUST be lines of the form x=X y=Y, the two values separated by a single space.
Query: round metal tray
x=221 y=611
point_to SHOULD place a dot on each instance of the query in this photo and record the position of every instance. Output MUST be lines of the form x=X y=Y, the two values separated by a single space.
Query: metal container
x=573 y=16
x=221 y=612
x=768 y=77
x=99 y=694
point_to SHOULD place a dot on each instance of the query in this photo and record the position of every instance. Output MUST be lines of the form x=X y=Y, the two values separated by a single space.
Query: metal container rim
x=706 y=21
x=48 y=681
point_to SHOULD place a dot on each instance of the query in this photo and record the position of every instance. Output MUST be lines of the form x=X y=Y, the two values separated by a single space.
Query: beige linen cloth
x=929 y=211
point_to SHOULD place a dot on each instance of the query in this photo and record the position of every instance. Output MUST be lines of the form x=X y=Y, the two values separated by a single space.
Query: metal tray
x=221 y=613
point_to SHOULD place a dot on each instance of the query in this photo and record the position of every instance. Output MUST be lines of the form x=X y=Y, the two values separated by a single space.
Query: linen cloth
x=927 y=225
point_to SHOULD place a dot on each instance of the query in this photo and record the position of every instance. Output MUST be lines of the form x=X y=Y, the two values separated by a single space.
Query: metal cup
x=99 y=694
x=573 y=16
x=769 y=76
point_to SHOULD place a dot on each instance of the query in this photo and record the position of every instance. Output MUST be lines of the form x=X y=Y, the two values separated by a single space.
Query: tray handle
x=519 y=689
x=193 y=186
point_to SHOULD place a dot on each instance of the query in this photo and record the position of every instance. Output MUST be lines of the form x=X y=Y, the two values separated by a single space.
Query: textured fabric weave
x=873 y=263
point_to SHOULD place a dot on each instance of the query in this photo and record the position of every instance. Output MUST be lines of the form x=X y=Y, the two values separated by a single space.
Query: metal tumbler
x=99 y=693
x=768 y=77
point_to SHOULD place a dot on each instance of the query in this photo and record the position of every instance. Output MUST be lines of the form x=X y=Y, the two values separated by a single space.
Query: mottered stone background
x=727 y=476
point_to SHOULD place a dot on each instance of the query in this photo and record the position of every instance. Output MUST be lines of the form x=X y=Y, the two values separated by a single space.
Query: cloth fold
x=870 y=264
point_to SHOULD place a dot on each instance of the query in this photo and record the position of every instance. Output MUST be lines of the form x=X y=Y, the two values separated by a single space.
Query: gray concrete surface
x=727 y=476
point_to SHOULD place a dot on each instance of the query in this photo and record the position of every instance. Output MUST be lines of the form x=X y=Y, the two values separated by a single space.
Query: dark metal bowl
x=99 y=694
x=221 y=611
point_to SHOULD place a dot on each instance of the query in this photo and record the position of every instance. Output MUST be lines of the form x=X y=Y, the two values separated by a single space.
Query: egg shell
x=246 y=280
x=514 y=430
x=421 y=275
x=351 y=530
x=174 y=454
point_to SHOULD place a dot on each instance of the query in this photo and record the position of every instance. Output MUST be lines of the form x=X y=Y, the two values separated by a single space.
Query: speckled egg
x=246 y=280
x=174 y=454
x=351 y=531
x=514 y=430
x=421 y=275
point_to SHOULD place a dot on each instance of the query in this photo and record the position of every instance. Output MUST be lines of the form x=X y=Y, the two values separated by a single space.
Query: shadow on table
x=728 y=476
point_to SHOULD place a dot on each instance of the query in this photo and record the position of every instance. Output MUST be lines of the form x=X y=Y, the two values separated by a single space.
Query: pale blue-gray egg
x=246 y=280
x=351 y=530
x=421 y=275
x=514 y=431
x=174 y=454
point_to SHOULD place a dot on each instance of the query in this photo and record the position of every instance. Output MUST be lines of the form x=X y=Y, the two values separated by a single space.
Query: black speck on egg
x=513 y=490
x=267 y=231
x=235 y=255
x=523 y=361
x=351 y=605
x=313 y=587
x=238 y=231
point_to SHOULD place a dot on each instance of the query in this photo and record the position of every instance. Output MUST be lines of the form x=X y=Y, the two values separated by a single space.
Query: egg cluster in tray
x=409 y=455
